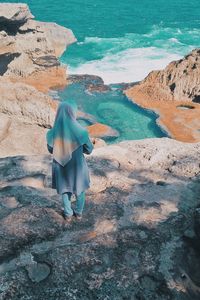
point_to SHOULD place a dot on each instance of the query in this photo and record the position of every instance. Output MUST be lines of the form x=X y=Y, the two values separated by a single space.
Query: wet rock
x=86 y=79
x=98 y=88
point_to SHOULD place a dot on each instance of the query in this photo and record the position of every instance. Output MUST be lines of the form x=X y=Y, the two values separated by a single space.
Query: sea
x=121 y=41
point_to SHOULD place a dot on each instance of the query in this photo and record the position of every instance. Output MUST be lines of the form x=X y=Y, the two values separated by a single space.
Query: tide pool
x=114 y=109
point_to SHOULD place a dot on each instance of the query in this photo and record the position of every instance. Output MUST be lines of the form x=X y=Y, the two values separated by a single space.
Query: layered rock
x=171 y=90
x=29 y=52
x=29 y=47
x=179 y=81
x=138 y=239
x=27 y=104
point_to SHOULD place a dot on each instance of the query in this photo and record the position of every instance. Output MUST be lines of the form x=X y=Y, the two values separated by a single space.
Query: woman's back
x=74 y=176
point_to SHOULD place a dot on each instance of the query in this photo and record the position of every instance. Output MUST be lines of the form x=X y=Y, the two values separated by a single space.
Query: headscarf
x=66 y=134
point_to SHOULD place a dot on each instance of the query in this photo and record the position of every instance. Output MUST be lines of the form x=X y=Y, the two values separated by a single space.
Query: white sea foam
x=126 y=66
x=132 y=56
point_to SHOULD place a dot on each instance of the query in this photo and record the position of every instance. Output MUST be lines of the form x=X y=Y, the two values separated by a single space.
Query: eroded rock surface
x=138 y=239
x=27 y=104
x=180 y=80
x=28 y=47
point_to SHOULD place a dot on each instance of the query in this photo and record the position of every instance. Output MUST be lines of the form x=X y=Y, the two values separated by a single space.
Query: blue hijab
x=66 y=134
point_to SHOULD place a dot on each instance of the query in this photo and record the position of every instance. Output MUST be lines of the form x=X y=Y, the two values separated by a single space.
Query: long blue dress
x=74 y=176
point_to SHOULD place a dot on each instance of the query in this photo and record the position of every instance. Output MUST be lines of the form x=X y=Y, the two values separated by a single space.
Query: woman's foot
x=77 y=216
x=67 y=218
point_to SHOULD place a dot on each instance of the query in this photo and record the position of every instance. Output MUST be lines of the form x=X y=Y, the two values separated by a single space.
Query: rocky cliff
x=29 y=52
x=138 y=239
x=29 y=66
x=29 y=47
x=179 y=81
x=174 y=93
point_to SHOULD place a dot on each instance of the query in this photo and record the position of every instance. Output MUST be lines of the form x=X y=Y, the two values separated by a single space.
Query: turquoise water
x=114 y=109
x=121 y=41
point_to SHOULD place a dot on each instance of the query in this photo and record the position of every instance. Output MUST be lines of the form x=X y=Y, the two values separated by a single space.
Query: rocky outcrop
x=29 y=66
x=138 y=239
x=28 y=47
x=173 y=94
x=179 y=81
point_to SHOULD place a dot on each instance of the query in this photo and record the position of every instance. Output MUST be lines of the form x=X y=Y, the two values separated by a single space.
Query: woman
x=67 y=141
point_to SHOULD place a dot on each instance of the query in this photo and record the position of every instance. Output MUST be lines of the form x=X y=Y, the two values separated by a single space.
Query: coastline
x=181 y=124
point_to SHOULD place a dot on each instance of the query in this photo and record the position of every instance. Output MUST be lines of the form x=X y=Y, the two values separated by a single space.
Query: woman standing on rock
x=67 y=141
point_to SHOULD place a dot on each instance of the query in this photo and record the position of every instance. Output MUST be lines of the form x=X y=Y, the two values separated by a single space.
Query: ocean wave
x=126 y=66
x=133 y=56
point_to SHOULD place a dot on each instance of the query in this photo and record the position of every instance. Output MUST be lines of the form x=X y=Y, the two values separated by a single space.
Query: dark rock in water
x=92 y=83
x=86 y=79
x=98 y=88
x=137 y=238
x=124 y=85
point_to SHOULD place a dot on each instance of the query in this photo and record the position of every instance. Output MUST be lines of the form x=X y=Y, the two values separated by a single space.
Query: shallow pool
x=113 y=108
